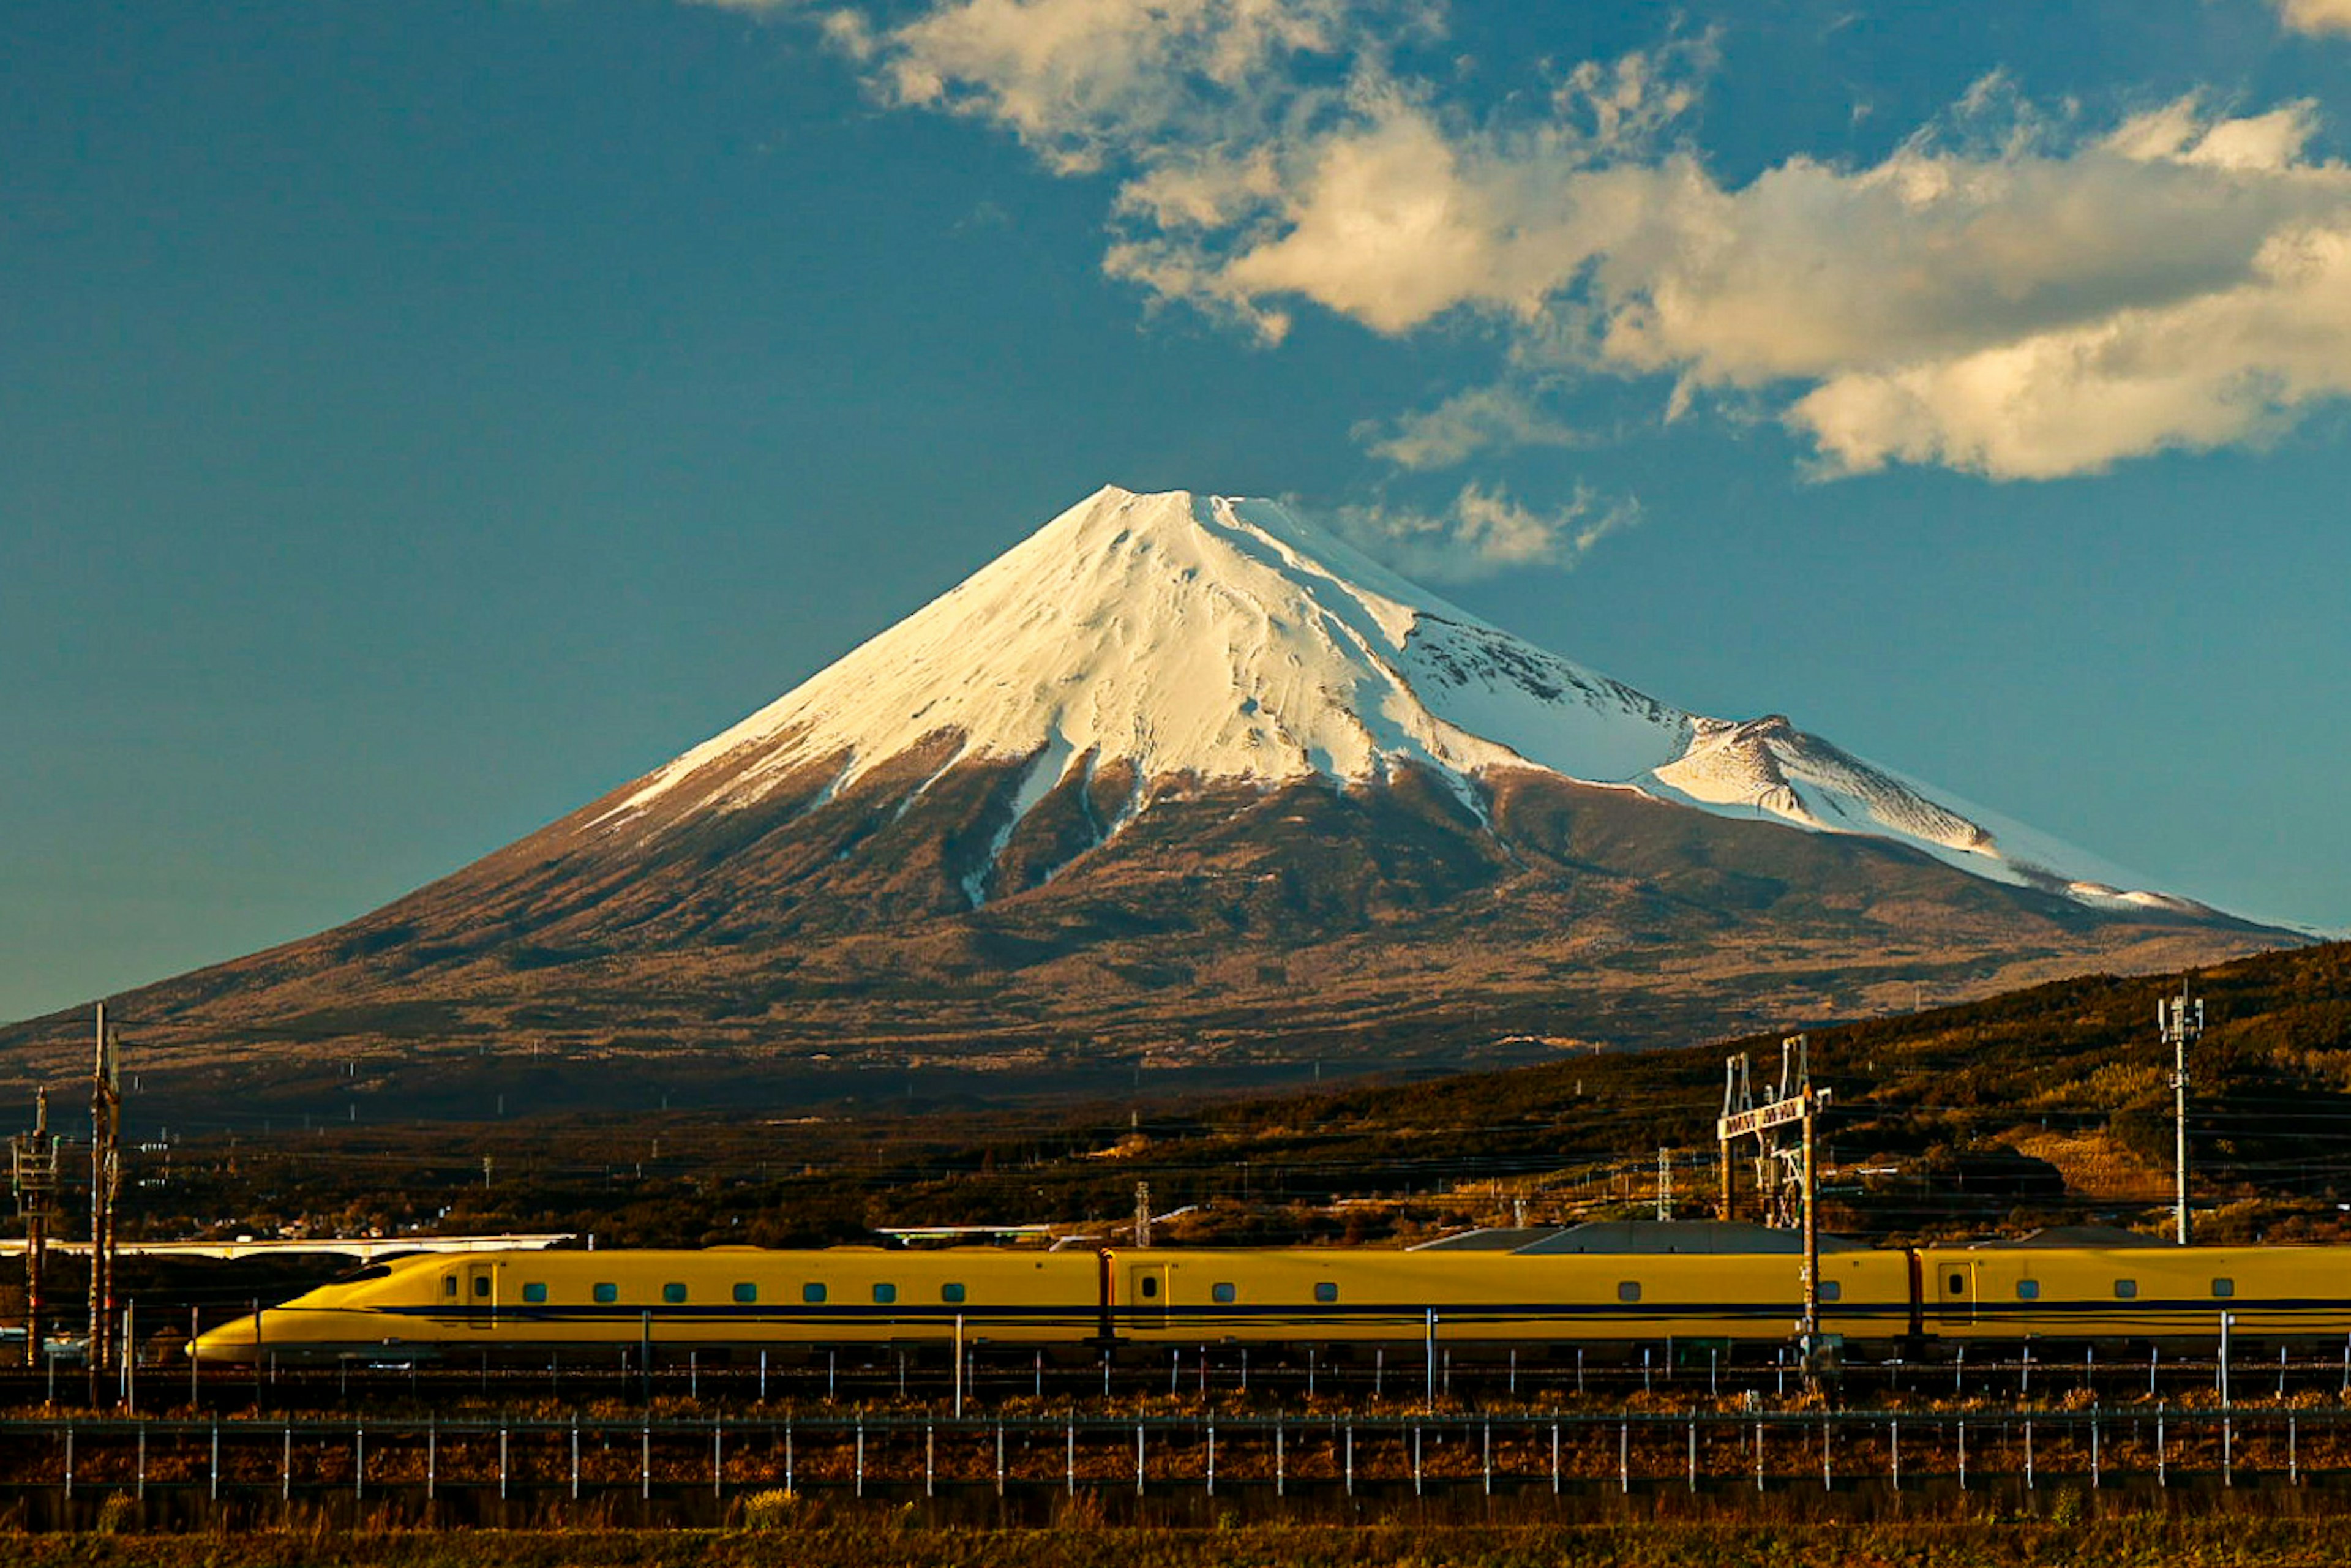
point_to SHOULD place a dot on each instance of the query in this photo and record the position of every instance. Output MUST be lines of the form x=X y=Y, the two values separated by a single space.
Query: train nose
x=238 y=1340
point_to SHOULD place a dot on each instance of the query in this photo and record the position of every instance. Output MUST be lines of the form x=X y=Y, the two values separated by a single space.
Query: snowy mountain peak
x=1218 y=640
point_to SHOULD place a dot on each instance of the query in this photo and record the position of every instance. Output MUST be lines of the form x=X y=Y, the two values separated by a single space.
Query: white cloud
x=2006 y=292
x=1482 y=533
x=2211 y=369
x=1478 y=420
x=1079 y=81
x=2316 y=16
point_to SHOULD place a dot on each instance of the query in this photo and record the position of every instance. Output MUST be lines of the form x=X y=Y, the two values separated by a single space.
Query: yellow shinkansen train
x=537 y=1305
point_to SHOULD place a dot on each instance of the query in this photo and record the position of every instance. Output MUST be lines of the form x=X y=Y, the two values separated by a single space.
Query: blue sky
x=420 y=417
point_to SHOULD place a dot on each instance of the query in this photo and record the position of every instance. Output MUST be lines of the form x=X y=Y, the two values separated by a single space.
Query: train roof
x=1634 y=1236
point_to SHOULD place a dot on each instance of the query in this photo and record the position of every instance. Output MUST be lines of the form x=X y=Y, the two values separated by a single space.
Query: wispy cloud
x=1478 y=420
x=2010 y=292
x=1481 y=534
x=2316 y=16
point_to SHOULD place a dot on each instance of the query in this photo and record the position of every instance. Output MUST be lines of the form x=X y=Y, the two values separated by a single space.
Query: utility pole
x=1142 y=1214
x=2180 y=1021
x=1665 y=1184
x=32 y=1164
x=105 y=1186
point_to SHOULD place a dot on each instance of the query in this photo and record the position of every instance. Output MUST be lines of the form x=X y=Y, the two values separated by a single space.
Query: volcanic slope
x=1181 y=780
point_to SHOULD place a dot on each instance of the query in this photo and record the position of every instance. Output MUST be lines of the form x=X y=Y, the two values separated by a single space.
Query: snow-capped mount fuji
x=1181 y=780
x=1200 y=639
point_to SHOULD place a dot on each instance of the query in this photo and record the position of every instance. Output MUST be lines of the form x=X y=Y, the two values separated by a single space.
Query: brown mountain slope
x=1370 y=926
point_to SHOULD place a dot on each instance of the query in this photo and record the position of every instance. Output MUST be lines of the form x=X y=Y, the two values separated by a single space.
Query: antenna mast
x=105 y=1186
x=2179 y=1020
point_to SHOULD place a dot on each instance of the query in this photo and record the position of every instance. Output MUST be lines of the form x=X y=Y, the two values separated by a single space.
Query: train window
x=812 y=1292
x=1832 y=1289
x=534 y=1293
x=2028 y=1289
x=481 y=1284
x=2126 y=1288
x=1959 y=1285
x=1150 y=1285
x=2224 y=1287
x=884 y=1294
x=673 y=1292
x=448 y=1284
x=1628 y=1291
x=951 y=1292
x=1223 y=1293
x=1326 y=1290
x=606 y=1294
x=746 y=1292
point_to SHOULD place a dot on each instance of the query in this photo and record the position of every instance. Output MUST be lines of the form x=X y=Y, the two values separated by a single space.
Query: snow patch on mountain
x=1228 y=641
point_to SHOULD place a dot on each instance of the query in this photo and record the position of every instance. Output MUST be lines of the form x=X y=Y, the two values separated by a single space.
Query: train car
x=1342 y=1297
x=2119 y=1295
x=540 y=1303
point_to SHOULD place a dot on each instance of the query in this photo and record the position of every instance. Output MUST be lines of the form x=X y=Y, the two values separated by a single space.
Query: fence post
x=1430 y=1397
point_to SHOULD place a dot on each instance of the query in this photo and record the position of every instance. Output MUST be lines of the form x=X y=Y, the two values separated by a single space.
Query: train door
x=481 y=1287
x=1147 y=1294
x=1954 y=1286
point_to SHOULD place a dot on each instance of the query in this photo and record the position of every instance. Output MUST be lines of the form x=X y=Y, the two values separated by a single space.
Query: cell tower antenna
x=2180 y=1022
